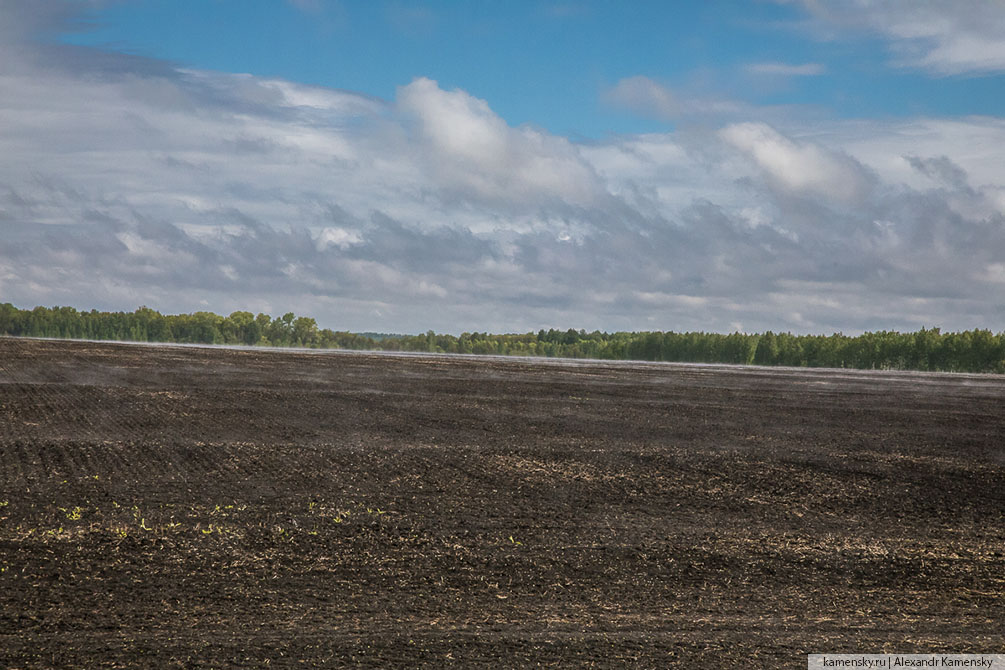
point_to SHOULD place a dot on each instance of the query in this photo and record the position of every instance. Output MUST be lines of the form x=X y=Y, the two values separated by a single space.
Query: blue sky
x=805 y=165
x=537 y=63
x=546 y=63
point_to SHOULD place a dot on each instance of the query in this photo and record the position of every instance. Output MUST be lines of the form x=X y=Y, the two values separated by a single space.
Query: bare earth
x=196 y=507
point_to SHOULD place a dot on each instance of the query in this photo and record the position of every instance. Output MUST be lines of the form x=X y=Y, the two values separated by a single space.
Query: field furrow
x=201 y=507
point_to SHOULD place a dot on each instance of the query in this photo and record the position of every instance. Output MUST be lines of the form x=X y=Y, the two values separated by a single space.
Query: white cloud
x=945 y=37
x=649 y=98
x=645 y=96
x=474 y=149
x=799 y=166
x=337 y=237
x=125 y=181
x=786 y=69
x=995 y=273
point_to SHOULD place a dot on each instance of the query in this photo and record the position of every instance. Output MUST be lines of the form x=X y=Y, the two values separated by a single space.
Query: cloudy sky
x=815 y=166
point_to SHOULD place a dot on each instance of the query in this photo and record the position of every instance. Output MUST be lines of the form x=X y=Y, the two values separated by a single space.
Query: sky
x=810 y=166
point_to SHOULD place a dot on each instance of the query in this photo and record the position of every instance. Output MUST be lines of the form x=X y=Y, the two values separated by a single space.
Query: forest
x=926 y=349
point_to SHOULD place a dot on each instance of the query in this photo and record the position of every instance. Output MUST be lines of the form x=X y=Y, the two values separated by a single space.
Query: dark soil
x=179 y=507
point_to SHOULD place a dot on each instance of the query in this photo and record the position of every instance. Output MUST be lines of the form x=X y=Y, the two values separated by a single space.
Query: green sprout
x=72 y=514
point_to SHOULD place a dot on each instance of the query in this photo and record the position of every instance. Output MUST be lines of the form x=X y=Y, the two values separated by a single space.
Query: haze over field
x=808 y=166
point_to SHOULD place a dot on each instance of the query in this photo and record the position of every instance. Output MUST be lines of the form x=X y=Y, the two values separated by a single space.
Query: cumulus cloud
x=128 y=181
x=799 y=166
x=474 y=149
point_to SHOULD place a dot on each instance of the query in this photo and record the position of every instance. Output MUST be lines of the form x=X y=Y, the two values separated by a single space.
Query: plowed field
x=177 y=507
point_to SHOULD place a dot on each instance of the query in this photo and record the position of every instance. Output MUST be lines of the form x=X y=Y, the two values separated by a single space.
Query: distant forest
x=927 y=349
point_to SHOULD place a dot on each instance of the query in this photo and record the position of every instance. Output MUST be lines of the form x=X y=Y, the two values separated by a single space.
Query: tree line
x=926 y=349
